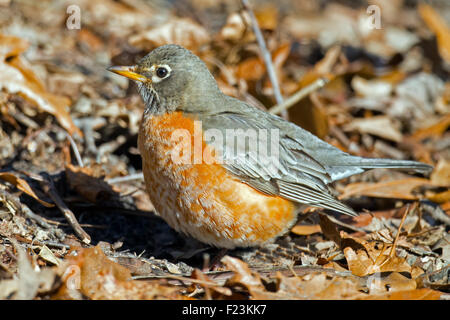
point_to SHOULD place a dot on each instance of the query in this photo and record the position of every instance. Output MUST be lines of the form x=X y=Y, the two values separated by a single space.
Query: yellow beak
x=129 y=72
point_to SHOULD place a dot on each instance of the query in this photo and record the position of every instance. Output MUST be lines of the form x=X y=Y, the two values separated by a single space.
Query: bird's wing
x=259 y=153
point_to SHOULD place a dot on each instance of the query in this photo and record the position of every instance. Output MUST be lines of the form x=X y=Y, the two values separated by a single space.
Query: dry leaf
x=371 y=88
x=303 y=230
x=362 y=262
x=417 y=294
x=17 y=77
x=437 y=24
x=397 y=189
x=91 y=273
x=184 y=32
x=435 y=130
x=89 y=186
x=236 y=26
x=381 y=126
x=22 y=185
x=441 y=173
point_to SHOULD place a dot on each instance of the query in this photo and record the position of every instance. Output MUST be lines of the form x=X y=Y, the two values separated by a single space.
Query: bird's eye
x=161 y=72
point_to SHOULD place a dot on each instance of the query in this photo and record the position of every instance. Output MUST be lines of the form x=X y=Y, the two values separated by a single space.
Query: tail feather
x=353 y=165
x=371 y=163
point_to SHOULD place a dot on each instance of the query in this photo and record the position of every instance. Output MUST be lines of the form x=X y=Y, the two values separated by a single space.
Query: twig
x=49 y=188
x=392 y=252
x=75 y=150
x=266 y=55
x=296 y=97
x=345 y=225
x=25 y=209
x=131 y=177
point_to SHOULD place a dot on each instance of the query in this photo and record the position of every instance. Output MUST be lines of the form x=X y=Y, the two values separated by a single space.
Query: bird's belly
x=204 y=200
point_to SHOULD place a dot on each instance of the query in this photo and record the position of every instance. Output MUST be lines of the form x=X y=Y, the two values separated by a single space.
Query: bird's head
x=171 y=78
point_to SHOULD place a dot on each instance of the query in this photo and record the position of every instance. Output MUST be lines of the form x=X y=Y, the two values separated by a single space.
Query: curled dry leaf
x=435 y=130
x=22 y=185
x=236 y=26
x=89 y=185
x=381 y=126
x=184 y=32
x=305 y=230
x=396 y=189
x=437 y=24
x=91 y=273
x=441 y=173
x=17 y=77
x=417 y=294
x=371 y=88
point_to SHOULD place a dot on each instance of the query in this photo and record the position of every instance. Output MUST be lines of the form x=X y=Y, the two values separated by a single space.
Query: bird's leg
x=215 y=264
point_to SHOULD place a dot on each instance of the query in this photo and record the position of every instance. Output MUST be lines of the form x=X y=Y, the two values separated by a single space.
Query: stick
x=49 y=188
x=392 y=252
x=130 y=177
x=299 y=95
x=75 y=150
x=266 y=56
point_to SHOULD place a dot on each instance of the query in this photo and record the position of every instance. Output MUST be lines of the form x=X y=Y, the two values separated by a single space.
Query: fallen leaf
x=397 y=189
x=236 y=26
x=22 y=185
x=381 y=126
x=92 y=274
x=441 y=173
x=89 y=185
x=417 y=294
x=363 y=262
x=435 y=130
x=267 y=16
x=46 y=254
x=371 y=88
x=17 y=77
x=304 y=230
x=251 y=69
x=184 y=32
x=437 y=24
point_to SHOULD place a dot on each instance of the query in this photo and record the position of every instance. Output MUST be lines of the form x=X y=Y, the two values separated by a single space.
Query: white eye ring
x=154 y=70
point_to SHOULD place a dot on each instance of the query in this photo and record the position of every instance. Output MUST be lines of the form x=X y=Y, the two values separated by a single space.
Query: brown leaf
x=368 y=257
x=435 y=130
x=441 y=173
x=303 y=230
x=87 y=184
x=243 y=276
x=22 y=185
x=92 y=274
x=437 y=24
x=251 y=69
x=184 y=32
x=267 y=17
x=381 y=126
x=397 y=189
x=17 y=77
x=318 y=286
x=417 y=294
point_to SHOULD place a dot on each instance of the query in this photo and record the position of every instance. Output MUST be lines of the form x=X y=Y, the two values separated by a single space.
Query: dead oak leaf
x=184 y=32
x=92 y=274
x=18 y=78
x=396 y=189
x=22 y=185
x=88 y=184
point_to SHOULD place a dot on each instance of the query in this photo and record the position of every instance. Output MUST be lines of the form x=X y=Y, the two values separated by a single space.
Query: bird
x=223 y=171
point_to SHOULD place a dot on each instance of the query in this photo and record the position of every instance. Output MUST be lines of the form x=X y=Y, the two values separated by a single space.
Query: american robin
x=203 y=161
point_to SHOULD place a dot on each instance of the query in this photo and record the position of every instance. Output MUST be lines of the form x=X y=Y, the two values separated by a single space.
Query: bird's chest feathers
x=193 y=196
x=170 y=147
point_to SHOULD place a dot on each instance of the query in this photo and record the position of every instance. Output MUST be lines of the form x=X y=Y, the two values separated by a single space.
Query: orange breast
x=202 y=199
